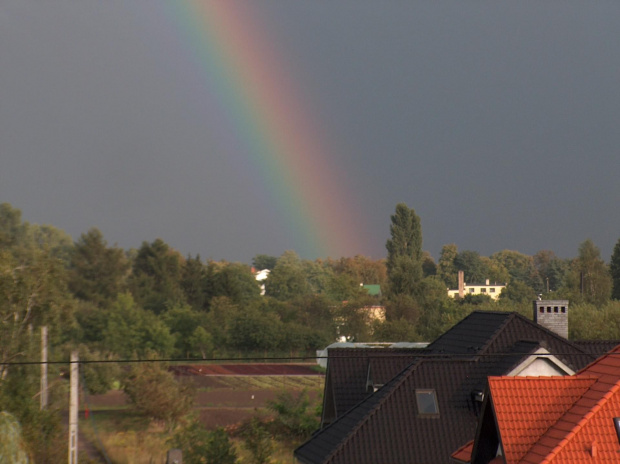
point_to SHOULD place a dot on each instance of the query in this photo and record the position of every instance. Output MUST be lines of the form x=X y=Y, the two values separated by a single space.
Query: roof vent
x=617 y=426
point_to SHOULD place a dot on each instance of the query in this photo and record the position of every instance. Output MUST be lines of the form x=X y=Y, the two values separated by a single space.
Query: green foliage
x=98 y=378
x=520 y=267
x=42 y=431
x=131 y=330
x=295 y=417
x=589 y=280
x=446 y=269
x=201 y=341
x=589 y=321
x=257 y=440
x=398 y=330
x=261 y=262
x=473 y=266
x=361 y=270
x=255 y=330
x=354 y=319
x=97 y=272
x=32 y=293
x=518 y=292
x=194 y=283
x=183 y=321
x=404 y=260
x=155 y=281
x=201 y=446
x=12 y=448
x=234 y=281
x=552 y=270
x=402 y=307
x=156 y=394
x=287 y=280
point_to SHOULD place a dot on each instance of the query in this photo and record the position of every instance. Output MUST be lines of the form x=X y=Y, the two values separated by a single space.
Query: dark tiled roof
x=348 y=368
x=597 y=347
x=385 y=427
x=472 y=334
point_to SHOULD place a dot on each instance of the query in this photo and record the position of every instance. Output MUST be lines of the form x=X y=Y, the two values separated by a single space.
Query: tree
x=183 y=322
x=235 y=281
x=12 y=449
x=446 y=269
x=32 y=293
x=193 y=283
x=404 y=260
x=156 y=277
x=614 y=269
x=202 y=446
x=519 y=292
x=201 y=341
x=287 y=279
x=473 y=266
x=97 y=272
x=552 y=270
x=294 y=416
x=257 y=441
x=520 y=267
x=591 y=275
x=155 y=393
x=261 y=262
x=131 y=330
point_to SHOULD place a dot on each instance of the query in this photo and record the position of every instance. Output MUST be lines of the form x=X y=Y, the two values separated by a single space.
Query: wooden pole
x=44 y=367
x=73 y=410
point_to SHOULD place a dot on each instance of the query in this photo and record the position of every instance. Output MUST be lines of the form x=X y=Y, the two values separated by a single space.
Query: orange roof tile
x=560 y=420
x=526 y=407
x=463 y=454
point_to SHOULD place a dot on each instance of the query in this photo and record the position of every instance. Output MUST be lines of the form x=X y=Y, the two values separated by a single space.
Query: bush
x=201 y=446
x=155 y=392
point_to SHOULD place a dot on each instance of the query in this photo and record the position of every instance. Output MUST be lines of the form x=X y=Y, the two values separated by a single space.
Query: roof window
x=427 y=402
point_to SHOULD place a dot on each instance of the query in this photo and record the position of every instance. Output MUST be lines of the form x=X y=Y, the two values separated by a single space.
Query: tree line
x=112 y=303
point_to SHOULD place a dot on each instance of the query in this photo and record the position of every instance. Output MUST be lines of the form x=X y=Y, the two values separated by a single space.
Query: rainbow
x=268 y=116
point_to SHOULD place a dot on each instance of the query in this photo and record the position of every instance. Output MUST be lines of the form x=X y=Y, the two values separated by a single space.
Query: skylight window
x=427 y=402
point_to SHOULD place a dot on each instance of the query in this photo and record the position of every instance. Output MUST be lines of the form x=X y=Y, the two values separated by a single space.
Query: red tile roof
x=525 y=408
x=463 y=454
x=560 y=420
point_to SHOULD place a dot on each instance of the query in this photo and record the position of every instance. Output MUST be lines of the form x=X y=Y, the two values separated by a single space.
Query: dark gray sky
x=499 y=122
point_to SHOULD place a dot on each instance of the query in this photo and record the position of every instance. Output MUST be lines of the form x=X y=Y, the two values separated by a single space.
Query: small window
x=471 y=290
x=427 y=402
x=483 y=290
x=555 y=309
x=542 y=310
x=492 y=290
x=563 y=309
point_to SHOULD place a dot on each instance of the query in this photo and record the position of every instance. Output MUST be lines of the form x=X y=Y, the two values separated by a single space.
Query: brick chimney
x=553 y=315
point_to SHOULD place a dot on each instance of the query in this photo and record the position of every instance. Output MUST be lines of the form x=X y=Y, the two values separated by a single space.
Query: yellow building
x=492 y=290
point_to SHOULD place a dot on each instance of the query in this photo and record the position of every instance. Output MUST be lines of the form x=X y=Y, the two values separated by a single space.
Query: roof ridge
x=493 y=337
x=583 y=421
x=551 y=332
x=389 y=389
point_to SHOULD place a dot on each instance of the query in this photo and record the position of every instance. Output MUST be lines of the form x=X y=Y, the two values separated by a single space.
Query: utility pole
x=44 y=367
x=73 y=410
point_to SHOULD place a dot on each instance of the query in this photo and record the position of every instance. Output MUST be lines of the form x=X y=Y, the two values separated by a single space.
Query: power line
x=379 y=355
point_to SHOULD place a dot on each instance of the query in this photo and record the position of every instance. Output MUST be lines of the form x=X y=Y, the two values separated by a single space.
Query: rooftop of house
x=388 y=425
x=552 y=420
